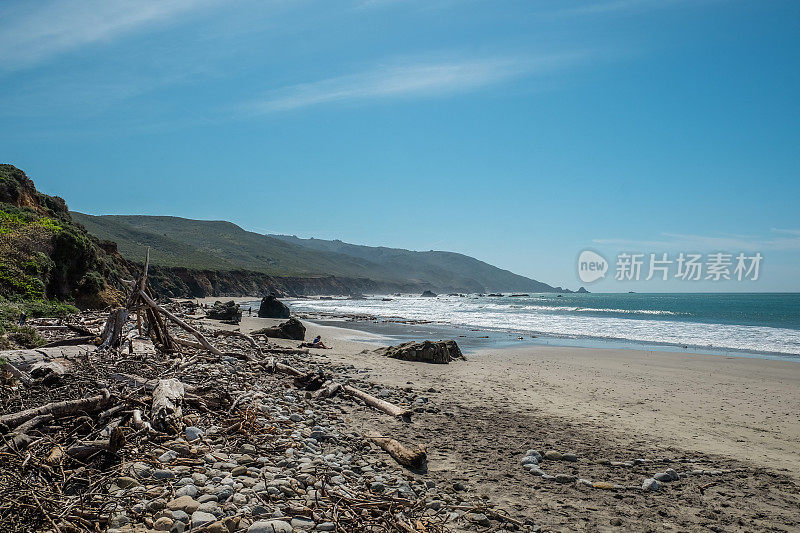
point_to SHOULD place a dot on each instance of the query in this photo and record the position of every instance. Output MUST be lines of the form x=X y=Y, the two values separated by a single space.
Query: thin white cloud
x=31 y=32
x=627 y=6
x=421 y=79
x=786 y=240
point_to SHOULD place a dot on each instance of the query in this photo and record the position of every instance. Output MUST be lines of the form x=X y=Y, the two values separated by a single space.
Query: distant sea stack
x=429 y=294
x=271 y=307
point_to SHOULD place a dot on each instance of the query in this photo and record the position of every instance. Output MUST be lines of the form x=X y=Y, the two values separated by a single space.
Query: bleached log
x=57 y=409
x=328 y=392
x=377 y=403
x=409 y=457
x=248 y=338
x=22 y=376
x=167 y=405
x=112 y=331
x=76 y=341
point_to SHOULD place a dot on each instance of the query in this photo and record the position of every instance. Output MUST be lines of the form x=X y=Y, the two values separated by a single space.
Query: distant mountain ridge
x=224 y=246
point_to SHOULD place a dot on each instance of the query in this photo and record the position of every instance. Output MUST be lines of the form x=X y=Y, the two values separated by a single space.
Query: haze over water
x=749 y=323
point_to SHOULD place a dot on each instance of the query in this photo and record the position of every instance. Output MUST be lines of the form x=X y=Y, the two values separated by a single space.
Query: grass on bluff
x=15 y=336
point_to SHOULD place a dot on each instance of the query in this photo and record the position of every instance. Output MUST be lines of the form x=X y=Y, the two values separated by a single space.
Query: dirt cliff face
x=189 y=283
x=44 y=254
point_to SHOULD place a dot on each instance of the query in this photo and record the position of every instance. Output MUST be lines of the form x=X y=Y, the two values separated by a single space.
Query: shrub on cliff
x=45 y=255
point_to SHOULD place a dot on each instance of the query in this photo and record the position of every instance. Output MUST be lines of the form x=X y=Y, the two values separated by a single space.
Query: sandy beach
x=734 y=421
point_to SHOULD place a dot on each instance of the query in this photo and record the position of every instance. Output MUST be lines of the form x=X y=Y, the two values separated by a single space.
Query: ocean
x=730 y=323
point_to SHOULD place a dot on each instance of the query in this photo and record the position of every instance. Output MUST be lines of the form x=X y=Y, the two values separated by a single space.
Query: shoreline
x=398 y=329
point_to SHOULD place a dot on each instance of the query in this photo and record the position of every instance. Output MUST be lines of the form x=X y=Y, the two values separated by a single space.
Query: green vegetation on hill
x=43 y=254
x=216 y=245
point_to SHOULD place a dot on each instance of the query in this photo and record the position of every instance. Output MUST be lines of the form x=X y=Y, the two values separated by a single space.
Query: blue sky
x=518 y=132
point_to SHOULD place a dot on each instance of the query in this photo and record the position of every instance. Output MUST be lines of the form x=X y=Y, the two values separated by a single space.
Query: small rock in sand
x=651 y=484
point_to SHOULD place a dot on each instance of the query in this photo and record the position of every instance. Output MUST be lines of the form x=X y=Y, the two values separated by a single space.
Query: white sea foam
x=569 y=321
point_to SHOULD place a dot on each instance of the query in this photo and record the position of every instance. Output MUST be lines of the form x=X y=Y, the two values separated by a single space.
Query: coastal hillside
x=223 y=246
x=44 y=255
x=435 y=267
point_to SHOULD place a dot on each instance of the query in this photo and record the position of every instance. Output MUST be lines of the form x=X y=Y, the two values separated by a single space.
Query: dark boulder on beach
x=271 y=307
x=291 y=329
x=439 y=352
x=429 y=294
x=227 y=312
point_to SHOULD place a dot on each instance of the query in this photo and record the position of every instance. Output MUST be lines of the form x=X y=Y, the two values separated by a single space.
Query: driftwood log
x=112 y=331
x=328 y=392
x=57 y=409
x=248 y=338
x=413 y=458
x=167 y=405
x=76 y=341
x=377 y=403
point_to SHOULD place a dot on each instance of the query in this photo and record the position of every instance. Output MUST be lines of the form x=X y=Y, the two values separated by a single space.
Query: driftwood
x=81 y=330
x=328 y=392
x=377 y=403
x=76 y=341
x=199 y=336
x=21 y=375
x=112 y=331
x=248 y=338
x=20 y=438
x=57 y=409
x=410 y=457
x=167 y=405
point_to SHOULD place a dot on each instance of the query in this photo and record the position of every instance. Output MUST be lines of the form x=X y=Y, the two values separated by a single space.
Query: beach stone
x=565 y=478
x=205 y=498
x=217 y=527
x=672 y=474
x=571 y=457
x=118 y=520
x=187 y=490
x=585 y=482
x=184 y=503
x=662 y=476
x=479 y=519
x=200 y=518
x=326 y=526
x=552 y=455
x=141 y=470
x=534 y=453
x=530 y=459
x=651 y=484
x=125 y=482
x=180 y=516
x=270 y=526
x=193 y=433
x=303 y=523
x=163 y=524
x=178 y=527
x=163 y=474
x=168 y=456
x=536 y=471
x=240 y=470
